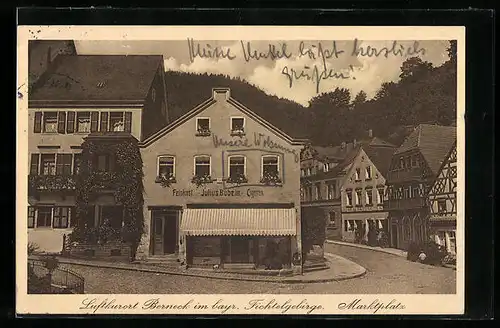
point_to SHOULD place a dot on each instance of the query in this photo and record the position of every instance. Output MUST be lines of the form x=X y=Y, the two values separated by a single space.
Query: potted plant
x=203 y=131
x=271 y=178
x=238 y=178
x=238 y=132
x=166 y=179
x=200 y=180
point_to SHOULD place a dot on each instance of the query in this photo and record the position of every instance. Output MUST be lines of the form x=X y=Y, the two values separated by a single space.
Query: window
x=349 y=198
x=270 y=165
x=166 y=166
x=44 y=217
x=77 y=163
x=401 y=163
x=63 y=166
x=358 y=174
x=111 y=216
x=358 y=197
x=302 y=172
x=116 y=122
x=318 y=191
x=417 y=160
x=31 y=217
x=369 y=196
x=331 y=220
x=61 y=217
x=236 y=166
x=50 y=122
x=325 y=167
x=380 y=195
x=83 y=122
x=203 y=126
x=331 y=190
x=237 y=125
x=453 y=245
x=105 y=163
x=368 y=172
x=408 y=162
x=48 y=164
x=441 y=203
x=308 y=171
x=414 y=161
x=309 y=193
x=202 y=166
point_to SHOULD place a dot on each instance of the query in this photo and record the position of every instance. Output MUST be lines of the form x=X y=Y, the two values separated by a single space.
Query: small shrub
x=433 y=253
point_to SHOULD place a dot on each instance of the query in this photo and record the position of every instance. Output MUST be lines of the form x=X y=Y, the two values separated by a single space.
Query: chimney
x=370 y=133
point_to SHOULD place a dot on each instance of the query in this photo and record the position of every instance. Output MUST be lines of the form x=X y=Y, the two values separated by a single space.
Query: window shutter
x=104 y=121
x=59 y=164
x=34 y=163
x=38 y=122
x=94 y=121
x=70 y=126
x=128 y=122
x=61 y=122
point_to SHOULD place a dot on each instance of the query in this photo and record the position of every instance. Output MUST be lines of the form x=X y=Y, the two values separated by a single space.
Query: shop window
x=44 y=217
x=202 y=166
x=166 y=166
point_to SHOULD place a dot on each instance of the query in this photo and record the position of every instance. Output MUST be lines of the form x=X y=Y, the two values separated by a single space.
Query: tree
x=414 y=67
x=359 y=99
x=452 y=51
x=385 y=89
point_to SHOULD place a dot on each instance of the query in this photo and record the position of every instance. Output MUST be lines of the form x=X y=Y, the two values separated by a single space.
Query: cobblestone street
x=386 y=274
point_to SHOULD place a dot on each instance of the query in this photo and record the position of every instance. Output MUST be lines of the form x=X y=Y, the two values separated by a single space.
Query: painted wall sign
x=249 y=192
x=259 y=140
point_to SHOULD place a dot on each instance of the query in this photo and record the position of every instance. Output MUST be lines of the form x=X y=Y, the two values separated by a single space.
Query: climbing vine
x=125 y=181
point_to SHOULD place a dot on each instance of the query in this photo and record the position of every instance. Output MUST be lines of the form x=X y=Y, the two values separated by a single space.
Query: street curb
x=190 y=274
x=381 y=250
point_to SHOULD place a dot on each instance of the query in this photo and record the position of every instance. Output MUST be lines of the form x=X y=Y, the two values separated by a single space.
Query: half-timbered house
x=443 y=204
x=414 y=167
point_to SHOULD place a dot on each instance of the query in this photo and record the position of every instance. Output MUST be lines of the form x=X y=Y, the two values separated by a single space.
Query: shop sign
x=220 y=192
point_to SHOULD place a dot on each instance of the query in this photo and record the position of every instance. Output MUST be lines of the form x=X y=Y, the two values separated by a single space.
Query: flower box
x=203 y=133
x=200 y=180
x=237 y=179
x=237 y=133
x=165 y=180
x=271 y=179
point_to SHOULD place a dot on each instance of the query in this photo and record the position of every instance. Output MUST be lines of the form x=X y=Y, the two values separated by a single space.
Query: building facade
x=443 y=204
x=78 y=98
x=222 y=189
x=364 y=219
x=414 y=167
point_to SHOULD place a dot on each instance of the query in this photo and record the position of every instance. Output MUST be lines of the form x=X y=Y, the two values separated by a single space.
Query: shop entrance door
x=165 y=233
x=240 y=250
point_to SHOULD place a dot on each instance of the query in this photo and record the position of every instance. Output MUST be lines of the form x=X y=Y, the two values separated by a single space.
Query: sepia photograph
x=194 y=166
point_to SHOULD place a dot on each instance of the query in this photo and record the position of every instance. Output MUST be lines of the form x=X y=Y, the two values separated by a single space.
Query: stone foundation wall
x=110 y=250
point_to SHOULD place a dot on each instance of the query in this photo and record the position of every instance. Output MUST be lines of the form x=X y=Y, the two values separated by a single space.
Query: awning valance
x=239 y=222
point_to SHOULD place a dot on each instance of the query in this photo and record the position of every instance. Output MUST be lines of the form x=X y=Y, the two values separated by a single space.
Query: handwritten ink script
x=259 y=140
x=321 y=54
x=98 y=305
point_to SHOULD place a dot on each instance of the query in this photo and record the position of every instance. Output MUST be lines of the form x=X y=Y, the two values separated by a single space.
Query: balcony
x=51 y=183
x=406 y=203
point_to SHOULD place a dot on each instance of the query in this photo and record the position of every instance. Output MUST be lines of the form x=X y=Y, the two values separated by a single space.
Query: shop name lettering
x=250 y=192
x=260 y=140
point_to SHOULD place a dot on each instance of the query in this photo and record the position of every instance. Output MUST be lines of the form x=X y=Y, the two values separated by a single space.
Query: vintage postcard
x=260 y=170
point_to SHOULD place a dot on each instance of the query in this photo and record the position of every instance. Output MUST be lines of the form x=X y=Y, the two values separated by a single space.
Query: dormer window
x=368 y=172
x=237 y=125
x=325 y=167
x=101 y=84
x=202 y=126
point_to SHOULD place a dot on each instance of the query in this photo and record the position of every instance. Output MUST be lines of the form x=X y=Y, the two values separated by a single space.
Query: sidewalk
x=339 y=269
x=392 y=251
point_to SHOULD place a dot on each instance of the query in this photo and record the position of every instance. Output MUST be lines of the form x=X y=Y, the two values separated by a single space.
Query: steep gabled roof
x=88 y=78
x=201 y=107
x=381 y=157
x=433 y=142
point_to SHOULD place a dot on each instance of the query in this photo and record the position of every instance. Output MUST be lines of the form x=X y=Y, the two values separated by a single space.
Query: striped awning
x=239 y=222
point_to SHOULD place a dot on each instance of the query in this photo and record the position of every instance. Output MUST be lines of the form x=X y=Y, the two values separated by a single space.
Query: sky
x=285 y=77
